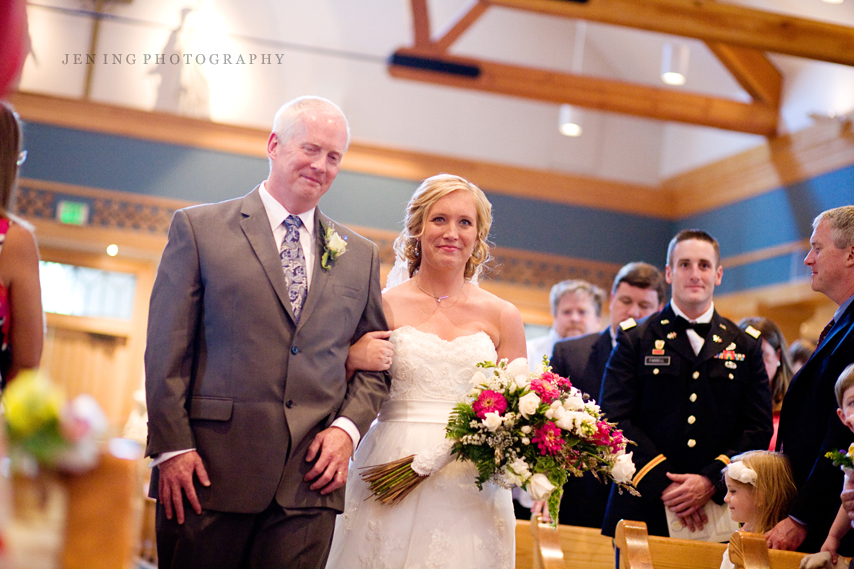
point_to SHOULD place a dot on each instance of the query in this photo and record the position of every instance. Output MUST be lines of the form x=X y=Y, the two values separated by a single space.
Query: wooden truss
x=738 y=36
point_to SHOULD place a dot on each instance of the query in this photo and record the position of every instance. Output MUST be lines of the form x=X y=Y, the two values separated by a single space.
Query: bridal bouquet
x=519 y=428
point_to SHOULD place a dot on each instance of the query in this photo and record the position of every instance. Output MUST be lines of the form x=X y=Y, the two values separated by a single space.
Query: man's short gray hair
x=572 y=286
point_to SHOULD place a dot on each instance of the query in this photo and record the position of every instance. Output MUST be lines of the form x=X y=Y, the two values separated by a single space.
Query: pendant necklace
x=438 y=299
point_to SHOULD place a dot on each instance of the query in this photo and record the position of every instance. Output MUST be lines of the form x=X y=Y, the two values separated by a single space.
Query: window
x=82 y=291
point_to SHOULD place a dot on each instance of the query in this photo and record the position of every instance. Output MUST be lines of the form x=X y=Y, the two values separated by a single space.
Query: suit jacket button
x=294 y=350
x=290 y=402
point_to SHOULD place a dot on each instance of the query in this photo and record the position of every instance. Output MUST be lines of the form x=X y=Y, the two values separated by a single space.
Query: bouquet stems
x=393 y=481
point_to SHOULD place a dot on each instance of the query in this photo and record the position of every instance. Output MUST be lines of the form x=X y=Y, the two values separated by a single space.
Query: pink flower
x=548 y=439
x=618 y=441
x=603 y=434
x=489 y=402
x=544 y=387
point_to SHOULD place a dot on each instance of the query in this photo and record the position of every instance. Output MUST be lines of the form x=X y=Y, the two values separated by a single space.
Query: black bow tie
x=702 y=330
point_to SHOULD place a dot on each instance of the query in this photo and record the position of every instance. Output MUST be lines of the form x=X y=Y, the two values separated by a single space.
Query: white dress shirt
x=695 y=339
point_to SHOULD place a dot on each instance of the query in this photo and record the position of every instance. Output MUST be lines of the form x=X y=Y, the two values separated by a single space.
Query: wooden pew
x=638 y=550
x=750 y=551
x=585 y=548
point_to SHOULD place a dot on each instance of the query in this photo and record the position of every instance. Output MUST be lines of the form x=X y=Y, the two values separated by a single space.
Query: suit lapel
x=319 y=276
x=256 y=226
x=599 y=355
x=830 y=340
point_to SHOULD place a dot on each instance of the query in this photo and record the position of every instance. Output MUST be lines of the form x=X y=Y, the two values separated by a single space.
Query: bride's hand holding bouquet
x=519 y=428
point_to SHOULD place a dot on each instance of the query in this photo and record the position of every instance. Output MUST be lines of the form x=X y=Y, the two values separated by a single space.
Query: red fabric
x=776 y=421
x=13 y=42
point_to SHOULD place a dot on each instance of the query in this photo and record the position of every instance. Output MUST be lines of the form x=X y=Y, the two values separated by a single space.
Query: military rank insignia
x=659 y=348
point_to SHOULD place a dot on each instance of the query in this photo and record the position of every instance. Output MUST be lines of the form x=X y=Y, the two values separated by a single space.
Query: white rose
x=526 y=441
x=526 y=429
x=539 y=487
x=518 y=366
x=550 y=413
x=540 y=368
x=624 y=468
x=528 y=404
x=492 y=421
x=337 y=244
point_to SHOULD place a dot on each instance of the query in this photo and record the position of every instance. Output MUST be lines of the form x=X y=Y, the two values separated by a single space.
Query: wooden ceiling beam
x=753 y=71
x=421 y=23
x=467 y=16
x=710 y=21
x=599 y=94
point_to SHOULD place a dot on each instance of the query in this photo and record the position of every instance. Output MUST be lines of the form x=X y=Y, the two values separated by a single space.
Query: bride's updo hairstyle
x=408 y=243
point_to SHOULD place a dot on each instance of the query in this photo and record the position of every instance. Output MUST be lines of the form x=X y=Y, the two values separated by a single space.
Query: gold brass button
x=695 y=375
x=692 y=443
x=692 y=419
x=693 y=397
x=655 y=371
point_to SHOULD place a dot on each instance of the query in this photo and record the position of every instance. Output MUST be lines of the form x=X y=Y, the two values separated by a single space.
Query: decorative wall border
x=133 y=213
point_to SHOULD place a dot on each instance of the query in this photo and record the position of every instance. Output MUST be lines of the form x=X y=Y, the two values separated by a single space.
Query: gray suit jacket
x=227 y=371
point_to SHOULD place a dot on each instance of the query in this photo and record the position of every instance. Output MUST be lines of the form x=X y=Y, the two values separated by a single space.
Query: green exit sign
x=73 y=213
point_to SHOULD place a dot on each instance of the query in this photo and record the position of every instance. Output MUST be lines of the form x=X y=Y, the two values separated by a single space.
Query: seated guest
x=775 y=354
x=799 y=352
x=576 y=306
x=639 y=290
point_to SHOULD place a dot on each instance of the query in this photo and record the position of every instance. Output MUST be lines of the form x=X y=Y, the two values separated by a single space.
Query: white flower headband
x=742 y=473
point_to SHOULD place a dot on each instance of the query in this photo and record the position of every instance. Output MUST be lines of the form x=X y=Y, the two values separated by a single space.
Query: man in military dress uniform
x=690 y=389
x=639 y=290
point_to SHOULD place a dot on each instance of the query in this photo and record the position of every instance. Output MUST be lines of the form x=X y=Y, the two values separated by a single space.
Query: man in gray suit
x=251 y=418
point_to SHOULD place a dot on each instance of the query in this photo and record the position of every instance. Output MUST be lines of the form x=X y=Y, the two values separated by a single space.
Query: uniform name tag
x=657 y=360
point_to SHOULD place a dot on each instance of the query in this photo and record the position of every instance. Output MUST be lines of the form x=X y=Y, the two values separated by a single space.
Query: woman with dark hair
x=21 y=317
x=775 y=354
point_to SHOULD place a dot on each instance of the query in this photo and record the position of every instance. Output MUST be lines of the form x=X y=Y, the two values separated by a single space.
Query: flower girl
x=760 y=489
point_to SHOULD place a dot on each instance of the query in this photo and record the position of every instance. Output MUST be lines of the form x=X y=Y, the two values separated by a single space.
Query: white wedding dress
x=446 y=521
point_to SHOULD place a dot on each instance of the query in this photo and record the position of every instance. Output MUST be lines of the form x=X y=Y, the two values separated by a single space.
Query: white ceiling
x=338 y=49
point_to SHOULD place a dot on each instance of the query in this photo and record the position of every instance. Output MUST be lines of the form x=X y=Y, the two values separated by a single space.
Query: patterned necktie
x=824 y=332
x=293 y=263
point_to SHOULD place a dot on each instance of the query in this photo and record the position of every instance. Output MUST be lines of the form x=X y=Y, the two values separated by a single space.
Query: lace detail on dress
x=446 y=523
x=418 y=373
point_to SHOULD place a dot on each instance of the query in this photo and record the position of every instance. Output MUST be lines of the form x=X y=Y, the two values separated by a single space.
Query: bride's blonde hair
x=408 y=243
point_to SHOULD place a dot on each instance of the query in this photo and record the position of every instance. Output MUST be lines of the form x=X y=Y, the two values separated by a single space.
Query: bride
x=442 y=325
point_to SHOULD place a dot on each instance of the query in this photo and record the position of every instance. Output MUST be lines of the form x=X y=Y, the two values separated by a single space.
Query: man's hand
x=330 y=471
x=176 y=474
x=686 y=497
x=787 y=535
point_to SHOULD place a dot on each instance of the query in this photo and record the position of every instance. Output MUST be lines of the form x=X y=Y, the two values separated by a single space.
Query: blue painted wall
x=131 y=165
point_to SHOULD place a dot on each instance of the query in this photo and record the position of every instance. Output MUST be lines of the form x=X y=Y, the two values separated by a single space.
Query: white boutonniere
x=333 y=247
